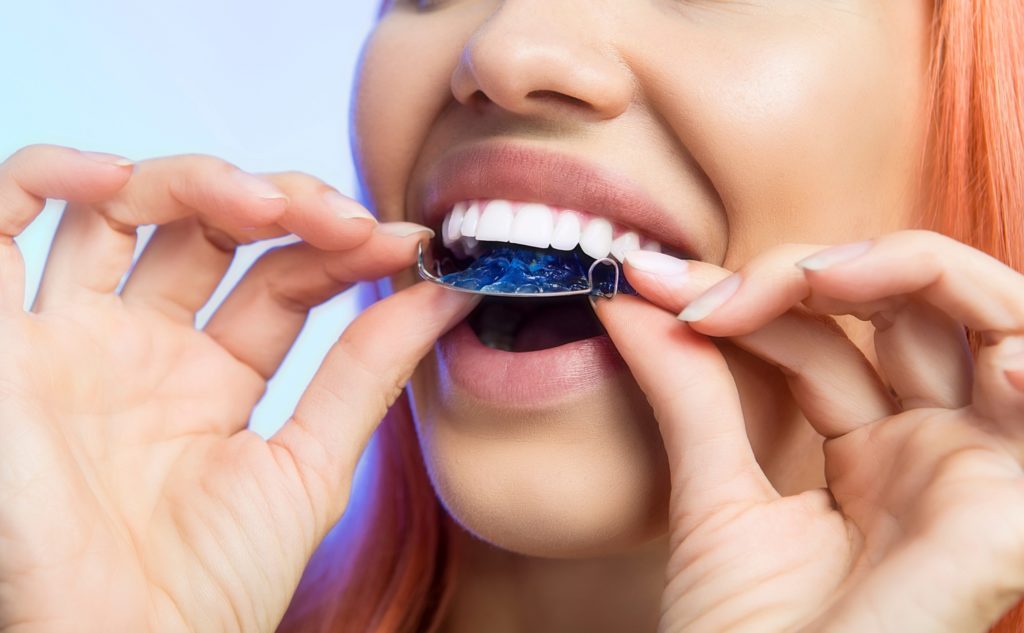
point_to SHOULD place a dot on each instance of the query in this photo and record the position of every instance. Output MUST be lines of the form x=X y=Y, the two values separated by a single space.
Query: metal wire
x=591 y=288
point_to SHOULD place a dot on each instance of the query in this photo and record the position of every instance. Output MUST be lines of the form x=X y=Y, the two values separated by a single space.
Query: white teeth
x=566 y=235
x=454 y=229
x=533 y=226
x=444 y=230
x=628 y=241
x=495 y=223
x=537 y=225
x=470 y=220
x=596 y=239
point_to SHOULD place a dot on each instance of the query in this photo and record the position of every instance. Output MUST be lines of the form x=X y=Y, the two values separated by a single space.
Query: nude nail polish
x=712 y=299
x=835 y=255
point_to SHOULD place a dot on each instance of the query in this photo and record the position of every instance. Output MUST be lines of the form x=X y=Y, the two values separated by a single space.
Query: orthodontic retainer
x=592 y=288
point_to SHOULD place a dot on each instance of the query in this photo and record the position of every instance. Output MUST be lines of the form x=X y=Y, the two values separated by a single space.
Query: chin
x=548 y=449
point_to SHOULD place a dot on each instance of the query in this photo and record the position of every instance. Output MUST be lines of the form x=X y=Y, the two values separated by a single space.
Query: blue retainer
x=532 y=271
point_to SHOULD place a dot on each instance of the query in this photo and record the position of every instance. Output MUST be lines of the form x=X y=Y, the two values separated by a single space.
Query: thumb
x=362 y=375
x=696 y=403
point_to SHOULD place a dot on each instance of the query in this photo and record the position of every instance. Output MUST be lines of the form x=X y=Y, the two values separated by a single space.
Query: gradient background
x=264 y=85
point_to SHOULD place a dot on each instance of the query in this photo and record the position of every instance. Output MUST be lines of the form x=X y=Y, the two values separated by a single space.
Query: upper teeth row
x=537 y=225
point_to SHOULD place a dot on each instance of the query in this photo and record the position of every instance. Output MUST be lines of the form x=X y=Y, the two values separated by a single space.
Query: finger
x=998 y=393
x=869 y=277
x=360 y=378
x=95 y=243
x=30 y=176
x=185 y=260
x=695 y=401
x=832 y=382
x=264 y=314
x=925 y=355
x=885 y=281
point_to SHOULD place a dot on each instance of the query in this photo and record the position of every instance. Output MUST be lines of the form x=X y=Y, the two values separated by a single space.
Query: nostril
x=479 y=101
x=552 y=95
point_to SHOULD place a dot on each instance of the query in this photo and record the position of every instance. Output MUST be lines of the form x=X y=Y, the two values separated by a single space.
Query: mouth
x=532 y=249
x=516 y=220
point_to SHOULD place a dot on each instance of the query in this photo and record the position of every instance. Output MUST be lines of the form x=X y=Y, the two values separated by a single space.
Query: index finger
x=30 y=176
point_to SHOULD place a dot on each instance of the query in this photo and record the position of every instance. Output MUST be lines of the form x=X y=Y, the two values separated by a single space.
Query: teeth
x=495 y=223
x=454 y=229
x=566 y=235
x=596 y=239
x=470 y=220
x=537 y=225
x=628 y=241
x=533 y=226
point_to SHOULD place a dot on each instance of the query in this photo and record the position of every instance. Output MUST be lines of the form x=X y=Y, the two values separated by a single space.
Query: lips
x=498 y=355
x=523 y=174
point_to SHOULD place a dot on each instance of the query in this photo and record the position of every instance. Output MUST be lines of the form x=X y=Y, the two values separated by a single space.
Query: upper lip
x=520 y=173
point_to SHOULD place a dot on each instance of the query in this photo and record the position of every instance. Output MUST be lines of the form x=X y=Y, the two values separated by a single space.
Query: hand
x=132 y=497
x=921 y=526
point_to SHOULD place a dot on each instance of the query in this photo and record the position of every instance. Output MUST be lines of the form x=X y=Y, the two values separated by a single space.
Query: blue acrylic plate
x=513 y=270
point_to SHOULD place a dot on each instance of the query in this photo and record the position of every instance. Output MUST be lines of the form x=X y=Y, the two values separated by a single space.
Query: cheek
x=806 y=137
x=402 y=85
x=551 y=485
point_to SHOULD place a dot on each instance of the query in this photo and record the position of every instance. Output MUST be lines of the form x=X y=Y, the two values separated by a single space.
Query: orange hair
x=391 y=571
x=974 y=161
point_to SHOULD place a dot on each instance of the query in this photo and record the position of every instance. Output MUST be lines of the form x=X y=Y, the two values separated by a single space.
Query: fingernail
x=402 y=229
x=258 y=187
x=657 y=263
x=835 y=255
x=346 y=209
x=712 y=298
x=109 y=159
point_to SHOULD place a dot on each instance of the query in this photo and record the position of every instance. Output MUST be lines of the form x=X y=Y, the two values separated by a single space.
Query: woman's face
x=719 y=128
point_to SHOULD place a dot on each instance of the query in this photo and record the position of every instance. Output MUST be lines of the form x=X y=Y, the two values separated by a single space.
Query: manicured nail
x=258 y=187
x=109 y=159
x=835 y=255
x=346 y=209
x=403 y=229
x=1012 y=359
x=712 y=298
x=657 y=263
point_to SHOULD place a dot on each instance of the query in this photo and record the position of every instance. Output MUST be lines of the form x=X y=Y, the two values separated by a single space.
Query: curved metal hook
x=590 y=278
x=591 y=288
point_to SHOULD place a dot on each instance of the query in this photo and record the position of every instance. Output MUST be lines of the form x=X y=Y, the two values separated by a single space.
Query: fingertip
x=344 y=208
x=405 y=229
x=66 y=173
x=335 y=222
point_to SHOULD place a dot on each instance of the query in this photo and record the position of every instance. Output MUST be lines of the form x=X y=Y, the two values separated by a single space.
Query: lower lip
x=526 y=379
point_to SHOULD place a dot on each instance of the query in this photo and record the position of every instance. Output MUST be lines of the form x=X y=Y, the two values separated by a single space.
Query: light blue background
x=265 y=85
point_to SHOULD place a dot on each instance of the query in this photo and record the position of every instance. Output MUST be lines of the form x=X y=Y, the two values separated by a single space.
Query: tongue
x=554 y=325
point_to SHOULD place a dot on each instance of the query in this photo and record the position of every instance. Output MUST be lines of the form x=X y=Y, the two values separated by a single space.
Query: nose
x=544 y=58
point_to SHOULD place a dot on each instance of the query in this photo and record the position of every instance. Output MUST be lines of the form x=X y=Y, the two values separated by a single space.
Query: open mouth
x=533 y=251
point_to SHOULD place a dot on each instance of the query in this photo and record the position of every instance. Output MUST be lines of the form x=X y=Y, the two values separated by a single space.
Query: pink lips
x=521 y=173
x=525 y=379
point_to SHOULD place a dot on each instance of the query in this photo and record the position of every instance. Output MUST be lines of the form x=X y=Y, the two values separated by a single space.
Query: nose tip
x=541 y=67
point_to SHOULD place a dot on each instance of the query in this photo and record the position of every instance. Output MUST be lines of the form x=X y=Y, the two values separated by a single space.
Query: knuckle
x=30 y=153
x=925 y=239
x=298 y=179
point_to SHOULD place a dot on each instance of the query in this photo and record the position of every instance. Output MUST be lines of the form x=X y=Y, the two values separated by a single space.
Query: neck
x=503 y=592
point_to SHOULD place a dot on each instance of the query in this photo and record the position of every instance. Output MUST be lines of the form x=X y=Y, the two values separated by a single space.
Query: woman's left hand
x=921 y=526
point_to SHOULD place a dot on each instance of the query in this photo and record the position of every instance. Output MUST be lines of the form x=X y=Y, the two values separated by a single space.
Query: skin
x=787 y=122
x=831 y=91
x=133 y=498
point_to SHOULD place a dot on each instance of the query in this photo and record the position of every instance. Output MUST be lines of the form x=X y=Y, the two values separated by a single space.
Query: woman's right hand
x=921 y=524
x=132 y=496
